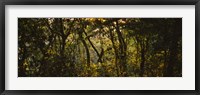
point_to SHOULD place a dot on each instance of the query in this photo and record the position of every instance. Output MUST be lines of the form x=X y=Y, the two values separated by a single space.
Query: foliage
x=99 y=47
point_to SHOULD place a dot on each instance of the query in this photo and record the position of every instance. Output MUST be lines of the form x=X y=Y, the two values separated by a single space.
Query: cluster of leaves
x=99 y=47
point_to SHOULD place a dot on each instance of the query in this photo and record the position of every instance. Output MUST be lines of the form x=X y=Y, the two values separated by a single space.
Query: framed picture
x=99 y=47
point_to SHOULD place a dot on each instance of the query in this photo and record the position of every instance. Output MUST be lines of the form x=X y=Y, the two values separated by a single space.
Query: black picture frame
x=3 y=3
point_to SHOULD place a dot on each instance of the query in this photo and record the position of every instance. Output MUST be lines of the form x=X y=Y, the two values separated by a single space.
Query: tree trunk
x=116 y=52
x=123 y=48
x=98 y=54
x=87 y=51
x=142 y=60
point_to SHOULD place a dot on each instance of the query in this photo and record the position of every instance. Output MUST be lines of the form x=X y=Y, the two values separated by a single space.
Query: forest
x=99 y=47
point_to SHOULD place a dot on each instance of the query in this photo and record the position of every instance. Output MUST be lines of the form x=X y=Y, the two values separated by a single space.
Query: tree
x=99 y=47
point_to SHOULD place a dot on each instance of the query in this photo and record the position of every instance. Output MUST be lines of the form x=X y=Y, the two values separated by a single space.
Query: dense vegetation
x=99 y=47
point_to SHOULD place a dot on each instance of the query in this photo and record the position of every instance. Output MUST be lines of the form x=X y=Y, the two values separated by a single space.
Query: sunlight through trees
x=99 y=47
